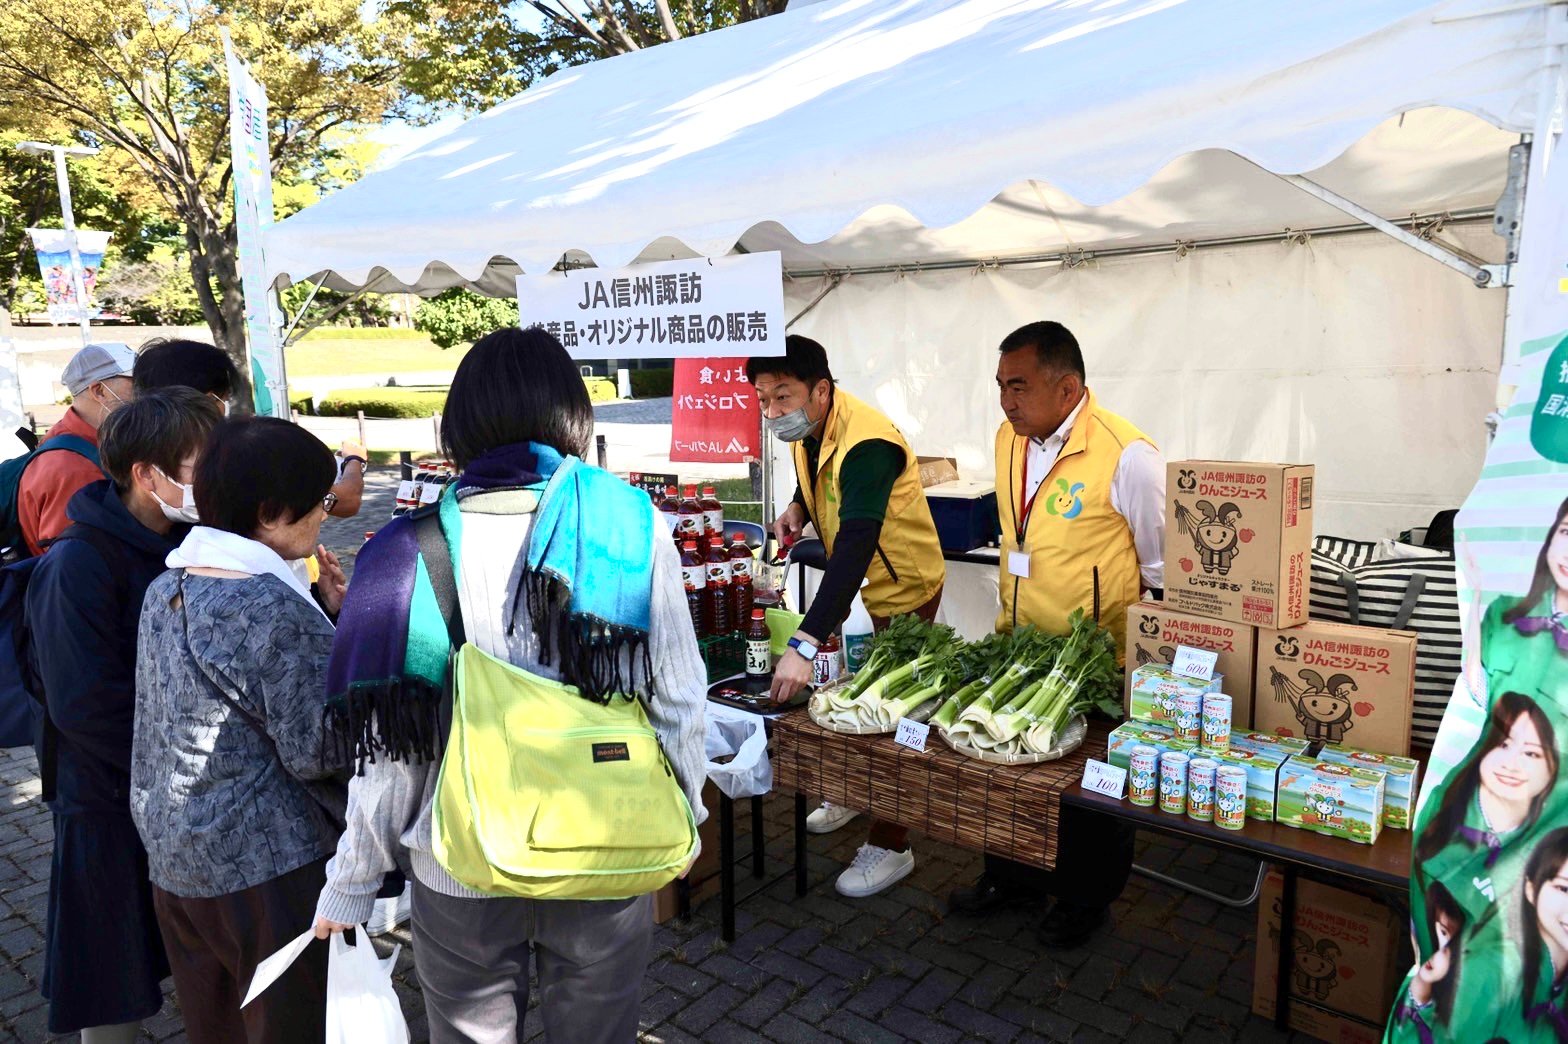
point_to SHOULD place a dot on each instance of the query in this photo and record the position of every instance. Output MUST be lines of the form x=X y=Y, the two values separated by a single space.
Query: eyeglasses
x=329 y=502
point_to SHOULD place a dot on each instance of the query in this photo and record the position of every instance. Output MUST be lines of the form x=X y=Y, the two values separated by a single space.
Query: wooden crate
x=1006 y=810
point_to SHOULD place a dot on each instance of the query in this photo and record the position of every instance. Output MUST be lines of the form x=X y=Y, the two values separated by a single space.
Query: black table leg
x=758 y=839
x=800 y=844
x=1287 y=947
x=682 y=898
x=727 y=866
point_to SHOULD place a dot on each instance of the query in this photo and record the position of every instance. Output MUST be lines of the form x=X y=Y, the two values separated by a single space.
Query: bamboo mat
x=1006 y=810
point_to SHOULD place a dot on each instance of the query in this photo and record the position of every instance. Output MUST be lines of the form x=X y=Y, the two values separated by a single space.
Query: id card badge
x=1018 y=564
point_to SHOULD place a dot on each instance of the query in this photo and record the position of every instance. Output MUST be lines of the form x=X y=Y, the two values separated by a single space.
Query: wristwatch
x=804 y=647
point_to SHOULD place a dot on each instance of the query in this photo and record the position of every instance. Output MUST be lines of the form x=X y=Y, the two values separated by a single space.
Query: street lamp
x=60 y=152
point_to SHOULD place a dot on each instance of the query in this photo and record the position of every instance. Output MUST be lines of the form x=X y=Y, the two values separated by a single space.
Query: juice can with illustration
x=1189 y=715
x=1216 y=722
x=1230 y=797
x=1142 y=768
x=1173 y=782
x=1200 y=789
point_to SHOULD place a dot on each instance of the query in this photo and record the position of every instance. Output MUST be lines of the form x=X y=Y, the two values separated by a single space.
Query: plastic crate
x=723 y=654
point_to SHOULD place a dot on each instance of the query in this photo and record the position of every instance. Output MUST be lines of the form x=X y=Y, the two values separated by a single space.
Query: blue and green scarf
x=587 y=583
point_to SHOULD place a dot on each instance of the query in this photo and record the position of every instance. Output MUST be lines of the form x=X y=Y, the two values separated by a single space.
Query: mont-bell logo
x=1187 y=480
x=610 y=752
x=1288 y=646
x=1150 y=626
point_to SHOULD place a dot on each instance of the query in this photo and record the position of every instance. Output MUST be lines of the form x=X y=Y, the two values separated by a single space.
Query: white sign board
x=1194 y=663
x=1104 y=779
x=702 y=308
x=911 y=734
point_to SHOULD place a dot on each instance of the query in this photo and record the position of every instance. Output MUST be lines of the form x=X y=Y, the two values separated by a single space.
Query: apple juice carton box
x=1155 y=631
x=1399 y=788
x=1330 y=798
x=1238 y=541
x=1130 y=734
x=1262 y=765
x=1155 y=687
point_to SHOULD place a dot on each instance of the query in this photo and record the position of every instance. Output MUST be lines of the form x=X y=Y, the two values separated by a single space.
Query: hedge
x=653 y=384
x=416 y=402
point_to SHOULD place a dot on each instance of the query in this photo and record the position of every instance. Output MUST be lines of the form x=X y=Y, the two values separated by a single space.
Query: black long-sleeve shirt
x=866 y=478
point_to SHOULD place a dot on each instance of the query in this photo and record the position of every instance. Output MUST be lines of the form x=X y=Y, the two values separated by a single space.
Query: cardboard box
x=1153 y=689
x=935 y=470
x=1154 y=630
x=1329 y=798
x=1238 y=541
x=1129 y=734
x=1338 y=684
x=1402 y=776
x=704 y=875
x=1350 y=957
x=1262 y=765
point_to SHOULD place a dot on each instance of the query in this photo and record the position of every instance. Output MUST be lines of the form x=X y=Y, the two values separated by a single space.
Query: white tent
x=978 y=164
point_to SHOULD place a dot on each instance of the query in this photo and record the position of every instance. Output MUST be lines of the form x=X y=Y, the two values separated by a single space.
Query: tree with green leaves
x=460 y=316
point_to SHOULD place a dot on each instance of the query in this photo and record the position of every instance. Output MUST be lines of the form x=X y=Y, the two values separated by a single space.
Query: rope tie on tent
x=1077 y=260
x=1185 y=247
x=1299 y=237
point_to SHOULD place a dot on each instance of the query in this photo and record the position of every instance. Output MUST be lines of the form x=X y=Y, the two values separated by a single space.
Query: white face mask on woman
x=186 y=512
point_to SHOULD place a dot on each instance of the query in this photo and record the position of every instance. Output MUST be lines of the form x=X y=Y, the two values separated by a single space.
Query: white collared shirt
x=1137 y=491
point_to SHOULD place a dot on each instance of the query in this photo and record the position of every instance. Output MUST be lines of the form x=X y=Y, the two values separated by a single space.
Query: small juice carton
x=1399 y=789
x=1262 y=767
x=1130 y=734
x=1156 y=688
x=1286 y=745
x=1333 y=799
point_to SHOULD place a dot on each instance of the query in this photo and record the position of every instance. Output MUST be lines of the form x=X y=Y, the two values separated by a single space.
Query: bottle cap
x=690 y=545
x=707 y=491
x=759 y=614
x=691 y=491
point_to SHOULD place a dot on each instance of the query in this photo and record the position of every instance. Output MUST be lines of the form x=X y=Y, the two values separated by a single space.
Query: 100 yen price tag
x=911 y=734
x=1104 y=779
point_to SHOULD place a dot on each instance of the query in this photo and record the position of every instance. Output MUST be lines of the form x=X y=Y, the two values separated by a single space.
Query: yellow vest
x=1081 y=550
x=908 y=568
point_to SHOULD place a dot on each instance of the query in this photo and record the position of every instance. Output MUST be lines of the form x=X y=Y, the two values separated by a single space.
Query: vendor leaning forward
x=1082 y=512
x=860 y=483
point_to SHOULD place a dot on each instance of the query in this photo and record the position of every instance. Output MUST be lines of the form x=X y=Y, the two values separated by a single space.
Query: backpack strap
x=75 y=443
x=438 y=563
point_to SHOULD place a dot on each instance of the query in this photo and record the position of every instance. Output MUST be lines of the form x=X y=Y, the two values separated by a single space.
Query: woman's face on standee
x=1551 y=908
x=1436 y=969
x=1557 y=555
x=1516 y=770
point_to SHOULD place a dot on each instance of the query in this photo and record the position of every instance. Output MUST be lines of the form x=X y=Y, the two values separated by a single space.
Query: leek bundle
x=908 y=664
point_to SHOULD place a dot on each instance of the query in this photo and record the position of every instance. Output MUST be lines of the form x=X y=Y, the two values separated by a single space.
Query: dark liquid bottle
x=694 y=572
x=690 y=520
x=720 y=618
x=669 y=510
x=712 y=516
x=759 y=653
x=740 y=579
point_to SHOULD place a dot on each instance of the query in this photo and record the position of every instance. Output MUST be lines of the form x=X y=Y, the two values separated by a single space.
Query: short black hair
x=803 y=359
x=1053 y=344
x=165 y=362
x=160 y=428
x=256 y=469
x=516 y=386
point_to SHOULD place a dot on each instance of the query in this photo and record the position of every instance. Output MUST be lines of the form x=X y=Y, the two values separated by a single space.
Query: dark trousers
x=215 y=944
x=1093 y=861
x=883 y=834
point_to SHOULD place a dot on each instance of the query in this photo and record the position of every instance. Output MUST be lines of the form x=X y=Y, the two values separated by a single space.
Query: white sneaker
x=829 y=818
x=873 y=870
x=389 y=913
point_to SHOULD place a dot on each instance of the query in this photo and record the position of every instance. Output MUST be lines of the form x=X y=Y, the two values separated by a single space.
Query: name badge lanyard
x=1021 y=520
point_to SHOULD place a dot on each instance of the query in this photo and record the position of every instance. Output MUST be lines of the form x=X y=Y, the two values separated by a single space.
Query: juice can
x=1189 y=714
x=1230 y=797
x=1142 y=769
x=1216 y=722
x=1173 y=782
x=1200 y=789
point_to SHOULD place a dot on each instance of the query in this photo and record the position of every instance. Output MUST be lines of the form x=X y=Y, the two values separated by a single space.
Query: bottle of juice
x=669 y=510
x=712 y=516
x=759 y=653
x=721 y=619
x=740 y=579
x=690 y=518
x=695 y=574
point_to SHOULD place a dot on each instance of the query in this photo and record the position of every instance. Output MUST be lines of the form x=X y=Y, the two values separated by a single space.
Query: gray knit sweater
x=389 y=806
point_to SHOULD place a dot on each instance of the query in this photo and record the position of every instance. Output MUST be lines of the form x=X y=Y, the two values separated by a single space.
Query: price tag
x=911 y=734
x=1194 y=663
x=1018 y=564
x=1103 y=778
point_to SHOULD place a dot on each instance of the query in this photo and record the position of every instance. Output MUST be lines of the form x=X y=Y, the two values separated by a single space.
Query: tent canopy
x=859 y=132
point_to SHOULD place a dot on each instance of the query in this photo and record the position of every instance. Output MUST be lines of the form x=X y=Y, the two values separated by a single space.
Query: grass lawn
x=326 y=356
x=730 y=493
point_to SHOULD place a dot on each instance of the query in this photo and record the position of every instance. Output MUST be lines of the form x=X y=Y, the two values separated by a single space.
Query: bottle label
x=672 y=521
x=718 y=573
x=713 y=521
x=855 y=650
x=695 y=576
x=740 y=569
x=824 y=669
x=688 y=525
x=759 y=656
x=405 y=489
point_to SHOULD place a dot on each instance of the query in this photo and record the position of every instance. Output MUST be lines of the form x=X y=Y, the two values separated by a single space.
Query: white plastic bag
x=362 y=1006
x=748 y=773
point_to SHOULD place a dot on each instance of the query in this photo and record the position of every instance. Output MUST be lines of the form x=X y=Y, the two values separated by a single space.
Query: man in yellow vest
x=859 y=482
x=1081 y=494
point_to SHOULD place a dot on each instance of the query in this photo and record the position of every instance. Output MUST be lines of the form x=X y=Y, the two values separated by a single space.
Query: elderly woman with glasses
x=235 y=788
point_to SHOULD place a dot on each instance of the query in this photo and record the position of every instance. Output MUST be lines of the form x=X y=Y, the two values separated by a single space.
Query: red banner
x=715 y=418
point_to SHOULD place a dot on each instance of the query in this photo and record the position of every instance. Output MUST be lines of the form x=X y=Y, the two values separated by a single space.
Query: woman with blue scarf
x=561 y=570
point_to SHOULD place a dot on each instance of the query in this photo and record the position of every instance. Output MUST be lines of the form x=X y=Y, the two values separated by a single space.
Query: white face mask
x=186 y=512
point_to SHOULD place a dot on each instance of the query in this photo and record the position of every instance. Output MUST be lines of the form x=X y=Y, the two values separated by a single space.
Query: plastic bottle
x=669 y=510
x=825 y=669
x=405 y=497
x=759 y=653
x=740 y=579
x=721 y=615
x=368 y=534
x=690 y=513
x=416 y=494
x=430 y=488
x=712 y=516
x=857 y=632
x=695 y=574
